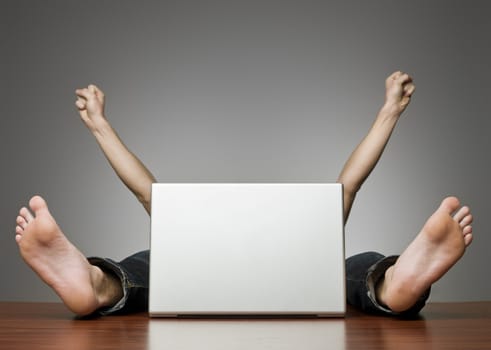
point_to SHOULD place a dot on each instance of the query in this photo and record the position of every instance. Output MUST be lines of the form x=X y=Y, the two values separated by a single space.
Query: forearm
x=366 y=155
x=127 y=166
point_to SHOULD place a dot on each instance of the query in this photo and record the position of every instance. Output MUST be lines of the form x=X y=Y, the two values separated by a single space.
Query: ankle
x=382 y=286
x=107 y=287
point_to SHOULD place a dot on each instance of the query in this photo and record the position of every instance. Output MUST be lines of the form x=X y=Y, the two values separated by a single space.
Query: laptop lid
x=247 y=249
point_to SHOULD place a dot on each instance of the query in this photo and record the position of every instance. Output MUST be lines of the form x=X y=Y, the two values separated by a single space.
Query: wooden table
x=51 y=326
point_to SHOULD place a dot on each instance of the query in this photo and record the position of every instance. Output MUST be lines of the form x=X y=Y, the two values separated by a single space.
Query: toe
x=19 y=230
x=450 y=204
x=21 y=222
x=461 y=214
x=37 y=203
x=467 y=230
x=466 y=221
x=26 y=214
x=468 y=236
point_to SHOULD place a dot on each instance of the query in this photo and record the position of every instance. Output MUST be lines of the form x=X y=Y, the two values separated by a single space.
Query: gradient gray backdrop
x=244 y=91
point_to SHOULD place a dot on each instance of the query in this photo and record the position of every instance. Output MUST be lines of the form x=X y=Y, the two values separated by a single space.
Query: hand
x=90 y=104
x=399 y=88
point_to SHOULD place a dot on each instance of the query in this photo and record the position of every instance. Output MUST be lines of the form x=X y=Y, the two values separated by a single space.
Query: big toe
x=450 y=205
x=37 y=204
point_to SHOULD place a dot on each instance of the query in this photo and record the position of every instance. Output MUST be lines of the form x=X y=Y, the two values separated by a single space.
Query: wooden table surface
x=51 y=326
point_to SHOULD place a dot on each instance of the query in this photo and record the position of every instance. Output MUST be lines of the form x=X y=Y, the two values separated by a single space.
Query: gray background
x=244 y=91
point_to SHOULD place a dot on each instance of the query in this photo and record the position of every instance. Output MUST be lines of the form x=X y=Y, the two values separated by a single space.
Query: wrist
x=390 y=110
x=100 y=126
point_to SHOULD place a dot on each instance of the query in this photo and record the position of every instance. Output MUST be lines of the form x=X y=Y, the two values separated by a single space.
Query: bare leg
x=440 y=244
x=82 y=287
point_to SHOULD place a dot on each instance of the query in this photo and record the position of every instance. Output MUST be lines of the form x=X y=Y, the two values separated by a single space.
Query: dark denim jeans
x=363 y=272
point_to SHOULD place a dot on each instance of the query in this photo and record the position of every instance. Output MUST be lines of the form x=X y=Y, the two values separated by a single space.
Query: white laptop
x=247 y=249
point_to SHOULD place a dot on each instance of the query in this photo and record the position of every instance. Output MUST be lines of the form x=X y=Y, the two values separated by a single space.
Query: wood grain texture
x=51 y=326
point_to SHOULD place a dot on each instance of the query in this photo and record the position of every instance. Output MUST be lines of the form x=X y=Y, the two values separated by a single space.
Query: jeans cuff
x=374 y=274
x=111 y=266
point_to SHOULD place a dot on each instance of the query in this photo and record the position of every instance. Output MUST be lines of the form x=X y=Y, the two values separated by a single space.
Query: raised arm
x=398 y=91
x=133 y=173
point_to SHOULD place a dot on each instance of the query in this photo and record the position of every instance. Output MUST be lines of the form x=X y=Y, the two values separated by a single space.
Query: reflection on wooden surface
x=315 y=334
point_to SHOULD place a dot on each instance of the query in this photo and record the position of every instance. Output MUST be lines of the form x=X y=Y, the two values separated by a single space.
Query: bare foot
x=82 y=286
x=439 y=245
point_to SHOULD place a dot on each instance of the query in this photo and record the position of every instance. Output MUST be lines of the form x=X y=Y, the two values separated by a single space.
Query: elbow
x=349 y=189
x=145 y=200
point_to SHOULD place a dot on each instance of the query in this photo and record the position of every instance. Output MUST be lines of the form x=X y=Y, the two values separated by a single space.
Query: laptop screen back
x=247 y=249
